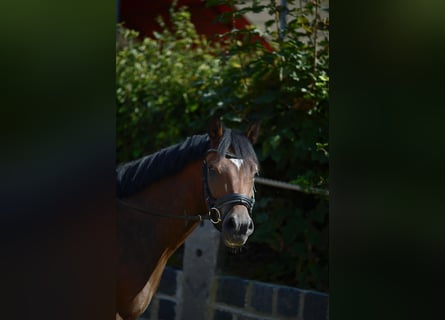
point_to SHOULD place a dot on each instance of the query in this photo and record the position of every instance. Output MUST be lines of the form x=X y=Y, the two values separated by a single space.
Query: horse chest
x=138 y=291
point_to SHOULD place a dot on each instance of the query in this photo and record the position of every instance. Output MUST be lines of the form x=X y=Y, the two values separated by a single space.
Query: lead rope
x=157 y=213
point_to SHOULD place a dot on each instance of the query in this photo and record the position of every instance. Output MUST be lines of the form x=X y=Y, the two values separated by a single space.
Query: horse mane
x=136 y=175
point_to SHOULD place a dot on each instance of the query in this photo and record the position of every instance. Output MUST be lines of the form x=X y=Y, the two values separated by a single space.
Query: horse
x=162 y=198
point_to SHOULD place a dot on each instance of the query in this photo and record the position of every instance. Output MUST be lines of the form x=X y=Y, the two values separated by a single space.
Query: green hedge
x=169 y=85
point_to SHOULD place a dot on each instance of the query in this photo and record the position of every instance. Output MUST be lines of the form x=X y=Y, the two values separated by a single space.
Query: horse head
x=229 y=170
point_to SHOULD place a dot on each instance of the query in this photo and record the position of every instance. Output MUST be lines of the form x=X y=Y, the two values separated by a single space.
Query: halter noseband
x=215 y=205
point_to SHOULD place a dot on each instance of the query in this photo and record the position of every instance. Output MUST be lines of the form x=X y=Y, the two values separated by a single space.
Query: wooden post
x=199 y=265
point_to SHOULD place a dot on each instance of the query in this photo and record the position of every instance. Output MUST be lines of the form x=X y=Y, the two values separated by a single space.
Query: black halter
x=215 y=205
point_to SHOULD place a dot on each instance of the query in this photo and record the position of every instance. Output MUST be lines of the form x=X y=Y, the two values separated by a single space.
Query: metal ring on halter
x=218 y=215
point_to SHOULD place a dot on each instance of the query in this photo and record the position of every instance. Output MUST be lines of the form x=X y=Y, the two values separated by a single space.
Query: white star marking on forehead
x=237 y=162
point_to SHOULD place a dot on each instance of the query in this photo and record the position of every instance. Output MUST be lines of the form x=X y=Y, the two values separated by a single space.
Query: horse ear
x=215 y=129
x=253 y=131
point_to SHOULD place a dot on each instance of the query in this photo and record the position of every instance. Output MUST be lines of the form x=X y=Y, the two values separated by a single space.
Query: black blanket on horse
x=134 y=176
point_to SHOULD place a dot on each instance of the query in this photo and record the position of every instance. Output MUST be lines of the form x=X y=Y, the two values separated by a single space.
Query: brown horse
x=162 y=198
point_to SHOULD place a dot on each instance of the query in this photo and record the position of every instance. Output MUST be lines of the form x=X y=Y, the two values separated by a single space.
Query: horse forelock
x=234 y=141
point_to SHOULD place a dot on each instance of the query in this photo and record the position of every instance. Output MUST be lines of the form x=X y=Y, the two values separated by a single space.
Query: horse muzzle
x=230 y=214
x=237 y=226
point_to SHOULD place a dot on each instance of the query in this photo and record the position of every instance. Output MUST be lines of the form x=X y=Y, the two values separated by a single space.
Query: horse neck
x=181 y=194
x=176 y=194
x=146 y=241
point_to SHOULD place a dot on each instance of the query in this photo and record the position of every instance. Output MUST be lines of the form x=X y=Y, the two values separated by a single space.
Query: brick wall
x=232 y=298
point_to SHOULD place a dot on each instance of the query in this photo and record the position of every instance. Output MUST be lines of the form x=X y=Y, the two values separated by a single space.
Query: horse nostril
x=231 y=223
x=238 y=226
